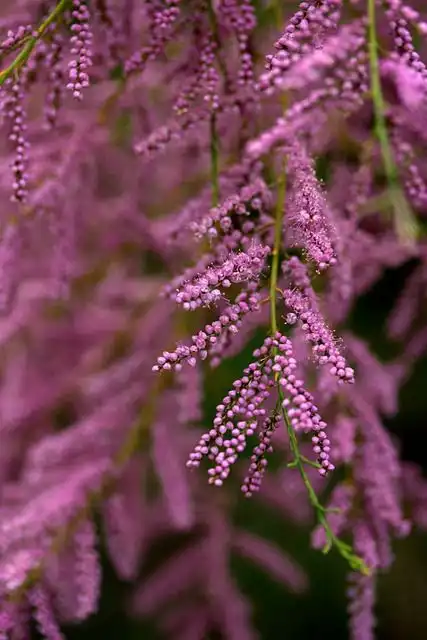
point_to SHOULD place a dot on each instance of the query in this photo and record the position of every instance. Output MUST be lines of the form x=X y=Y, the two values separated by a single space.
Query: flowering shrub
x=181 y=180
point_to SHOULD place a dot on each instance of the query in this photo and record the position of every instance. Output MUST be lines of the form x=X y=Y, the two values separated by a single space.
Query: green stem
x=24 y=55
x=343 y=549
x=278 y=230
x=405 y=223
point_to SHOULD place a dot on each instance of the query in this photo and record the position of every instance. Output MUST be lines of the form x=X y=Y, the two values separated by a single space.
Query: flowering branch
x=22 y=58
x=298 y=462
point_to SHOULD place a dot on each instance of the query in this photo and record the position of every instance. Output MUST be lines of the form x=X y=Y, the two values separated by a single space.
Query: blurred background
x=321 y=611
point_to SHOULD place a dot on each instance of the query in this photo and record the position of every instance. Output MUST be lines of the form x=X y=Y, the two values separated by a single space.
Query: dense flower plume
x=261 y=167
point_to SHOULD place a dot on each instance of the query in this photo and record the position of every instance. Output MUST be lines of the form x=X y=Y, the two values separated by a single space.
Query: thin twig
x=404 y=219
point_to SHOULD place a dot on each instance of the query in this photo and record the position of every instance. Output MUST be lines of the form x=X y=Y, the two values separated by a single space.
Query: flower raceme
x=243 y=403
x=264 y=171
x=204 y=289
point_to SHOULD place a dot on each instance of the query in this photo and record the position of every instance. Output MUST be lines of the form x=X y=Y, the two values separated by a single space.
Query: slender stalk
x=26 y=52
x=278 y=230
x=404 y=220
x=280 y=206
x=345 y=550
